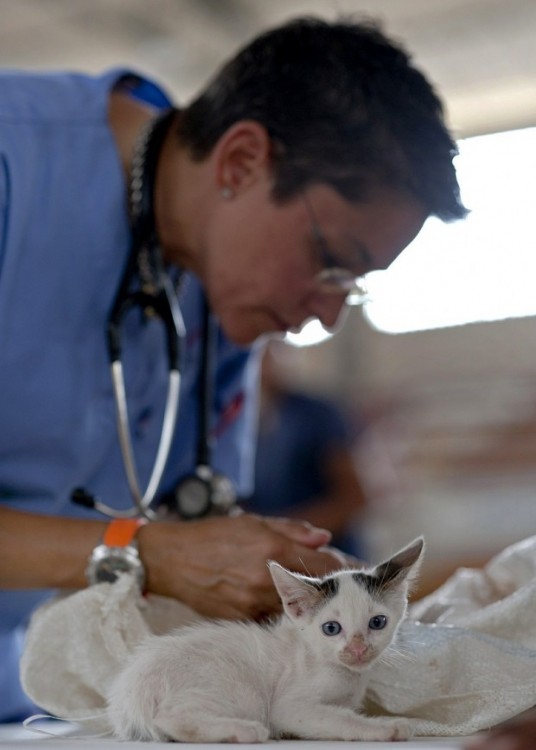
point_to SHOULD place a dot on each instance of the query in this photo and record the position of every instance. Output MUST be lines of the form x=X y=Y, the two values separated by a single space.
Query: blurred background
x=437 y=373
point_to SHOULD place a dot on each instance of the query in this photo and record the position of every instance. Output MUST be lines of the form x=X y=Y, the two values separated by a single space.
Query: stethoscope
x=146 y=285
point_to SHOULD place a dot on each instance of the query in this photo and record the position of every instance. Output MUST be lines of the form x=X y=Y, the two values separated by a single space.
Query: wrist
x=164 y=551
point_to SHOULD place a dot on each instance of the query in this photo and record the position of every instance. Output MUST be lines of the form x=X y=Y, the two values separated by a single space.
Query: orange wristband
x=121 y=531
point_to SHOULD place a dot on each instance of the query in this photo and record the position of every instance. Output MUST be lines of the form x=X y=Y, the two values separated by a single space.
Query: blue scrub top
x=64 y=240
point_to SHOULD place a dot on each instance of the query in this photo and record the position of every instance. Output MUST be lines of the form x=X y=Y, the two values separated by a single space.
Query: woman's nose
x=328 y=308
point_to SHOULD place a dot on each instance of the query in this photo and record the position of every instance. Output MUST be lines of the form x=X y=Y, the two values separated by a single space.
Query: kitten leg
x=324 y=722
x=186 y=724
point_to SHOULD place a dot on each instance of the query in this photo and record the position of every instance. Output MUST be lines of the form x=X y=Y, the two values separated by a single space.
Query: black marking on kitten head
x=371 y=583
x=393 y=572
x=328 y=587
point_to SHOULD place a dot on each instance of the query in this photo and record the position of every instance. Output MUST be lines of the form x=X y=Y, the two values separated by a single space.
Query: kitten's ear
x=298 y=594
x=404 y=566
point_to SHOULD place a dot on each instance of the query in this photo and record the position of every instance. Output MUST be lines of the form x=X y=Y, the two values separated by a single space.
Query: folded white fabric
x=77 y=643
x=466 y=655
x=469 y=648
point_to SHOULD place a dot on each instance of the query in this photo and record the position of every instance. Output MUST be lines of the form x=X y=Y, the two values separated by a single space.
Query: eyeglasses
x=333 y=278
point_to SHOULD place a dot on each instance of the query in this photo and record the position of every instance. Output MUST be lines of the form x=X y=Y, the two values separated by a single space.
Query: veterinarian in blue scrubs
x=313 y=157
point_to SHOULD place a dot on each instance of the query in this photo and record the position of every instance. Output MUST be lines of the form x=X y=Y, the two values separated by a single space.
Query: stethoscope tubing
x=146 y=285
x=163 y=305
x=142 y=499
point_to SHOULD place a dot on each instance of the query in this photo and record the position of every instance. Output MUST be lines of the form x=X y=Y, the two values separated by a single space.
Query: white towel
x=469 y=649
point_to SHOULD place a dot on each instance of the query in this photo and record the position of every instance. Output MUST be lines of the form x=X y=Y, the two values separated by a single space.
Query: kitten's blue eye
x=378 y=622
x=331 y=628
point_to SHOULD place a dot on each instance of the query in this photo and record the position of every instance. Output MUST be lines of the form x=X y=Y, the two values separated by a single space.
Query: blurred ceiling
x=481 y=54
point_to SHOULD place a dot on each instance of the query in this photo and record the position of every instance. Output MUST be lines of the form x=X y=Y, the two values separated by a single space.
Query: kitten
x=304 y=675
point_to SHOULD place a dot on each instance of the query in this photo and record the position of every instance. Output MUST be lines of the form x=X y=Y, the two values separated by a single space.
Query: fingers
x=500 y=742
x=313 y=562
x=517 y=736
x=299 y=531
x=346 y=560
x=343 y=561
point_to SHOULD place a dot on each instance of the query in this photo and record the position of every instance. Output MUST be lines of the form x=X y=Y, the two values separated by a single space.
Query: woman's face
x=261 y=258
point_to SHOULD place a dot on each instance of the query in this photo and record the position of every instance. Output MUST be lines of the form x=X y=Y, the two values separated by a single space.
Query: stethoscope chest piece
x=201 y=494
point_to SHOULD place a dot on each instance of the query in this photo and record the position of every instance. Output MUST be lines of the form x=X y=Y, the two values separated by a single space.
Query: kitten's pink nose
x=356 y=646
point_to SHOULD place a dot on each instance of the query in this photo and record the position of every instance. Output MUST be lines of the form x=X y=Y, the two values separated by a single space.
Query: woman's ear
x=242 y=157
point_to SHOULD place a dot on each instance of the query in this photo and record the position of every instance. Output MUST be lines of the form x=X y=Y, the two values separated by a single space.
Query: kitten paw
x=390 y=730
x=400 y=730
x=208 y=730
x=246 y=732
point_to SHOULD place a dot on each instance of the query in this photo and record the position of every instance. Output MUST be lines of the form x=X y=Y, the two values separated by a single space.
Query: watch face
x=109 y=568
x=107 y=563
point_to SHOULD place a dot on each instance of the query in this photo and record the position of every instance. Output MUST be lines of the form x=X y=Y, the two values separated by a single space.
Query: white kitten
x=302 y=676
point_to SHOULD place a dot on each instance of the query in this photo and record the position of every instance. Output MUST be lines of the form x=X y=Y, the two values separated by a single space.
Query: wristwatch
x=118 y=553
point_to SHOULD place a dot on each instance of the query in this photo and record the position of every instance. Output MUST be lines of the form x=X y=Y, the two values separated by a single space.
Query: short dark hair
x=342 y=104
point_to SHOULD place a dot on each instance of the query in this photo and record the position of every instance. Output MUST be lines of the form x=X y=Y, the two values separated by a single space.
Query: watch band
x=121 y=531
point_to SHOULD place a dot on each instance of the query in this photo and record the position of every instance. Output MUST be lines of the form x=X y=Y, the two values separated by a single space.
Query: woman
x=313 y=157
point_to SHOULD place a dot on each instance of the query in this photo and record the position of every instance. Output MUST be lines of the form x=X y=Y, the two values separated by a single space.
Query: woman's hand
x=218 y=566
